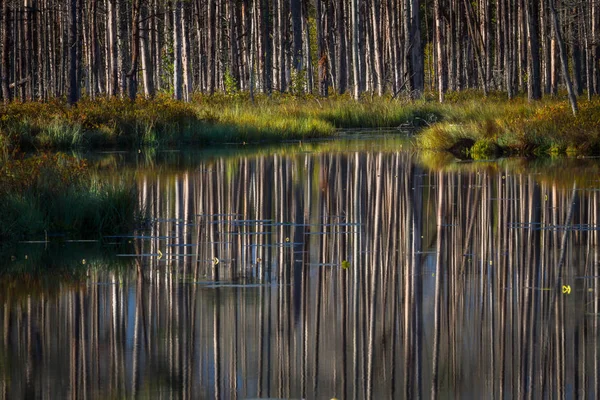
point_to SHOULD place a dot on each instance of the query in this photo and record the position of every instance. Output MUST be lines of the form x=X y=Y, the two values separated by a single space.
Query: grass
x=57 y=194
x=206 y=120
x=496 y=124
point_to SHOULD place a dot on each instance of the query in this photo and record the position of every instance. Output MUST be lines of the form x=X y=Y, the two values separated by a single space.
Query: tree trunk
x=147 y=64
x=267 y=50
x=132 y=74
x=95 y=51
x=576 y=53
x=186 y=55
x=355 y=70
x=113 y=47
x=341 y=66
x=177 y=67
x=296 y=11
x=73 y=82
x=323 y=70
x=534 y=85
x=441 y=56
x=563 y=57
x=5 y=55
x=211 y=44
x=233 y=43
x=376 y=23
x=416 y=54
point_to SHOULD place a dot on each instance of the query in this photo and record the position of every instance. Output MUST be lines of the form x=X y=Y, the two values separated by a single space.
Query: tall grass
x=57 y=194
x=515 y=126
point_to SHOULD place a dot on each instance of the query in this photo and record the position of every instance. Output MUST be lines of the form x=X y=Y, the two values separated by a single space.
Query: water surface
x=353 y=269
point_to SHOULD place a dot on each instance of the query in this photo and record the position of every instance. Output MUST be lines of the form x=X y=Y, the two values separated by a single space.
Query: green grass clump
x=485 y=149
x=56 y=193
x=516 y=126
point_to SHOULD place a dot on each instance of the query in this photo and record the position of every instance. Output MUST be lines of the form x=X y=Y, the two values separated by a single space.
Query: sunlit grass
x=516 y=126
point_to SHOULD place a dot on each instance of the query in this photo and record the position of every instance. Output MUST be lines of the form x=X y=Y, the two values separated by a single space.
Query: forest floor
x=467 y=124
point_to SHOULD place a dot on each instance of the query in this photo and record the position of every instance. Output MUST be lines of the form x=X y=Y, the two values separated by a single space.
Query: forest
x=74 y=49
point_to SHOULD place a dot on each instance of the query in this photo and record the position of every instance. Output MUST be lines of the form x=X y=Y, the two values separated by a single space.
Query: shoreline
x=468 y=126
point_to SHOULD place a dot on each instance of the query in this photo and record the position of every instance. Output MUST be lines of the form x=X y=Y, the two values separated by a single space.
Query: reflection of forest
x=453 y=288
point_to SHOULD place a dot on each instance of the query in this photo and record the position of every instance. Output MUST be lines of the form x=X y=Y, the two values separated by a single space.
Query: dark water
x=350 y=270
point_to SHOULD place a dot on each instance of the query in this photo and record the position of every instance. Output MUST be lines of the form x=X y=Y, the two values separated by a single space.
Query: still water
x=354 y=269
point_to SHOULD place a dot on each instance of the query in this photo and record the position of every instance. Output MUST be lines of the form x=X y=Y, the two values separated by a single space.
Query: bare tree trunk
x=563 y=57
x=73 y=82
x=113 y=47
x=416 y=54
x=375 y=26
x=95 y=51
x=211 y=43
x=441 y=55
x=185 y=54
x=147 y=64
x=341 y=66
x=323 y=66
x=233 y=42
x=534 y=87
x=5 y=55
x=267 y=58
x=132 y=74
x=355 y=70
x=177 y=67
x=296 y=10
x=576 y=51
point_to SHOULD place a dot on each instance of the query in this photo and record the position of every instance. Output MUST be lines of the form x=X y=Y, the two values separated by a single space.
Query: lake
x=351 y=269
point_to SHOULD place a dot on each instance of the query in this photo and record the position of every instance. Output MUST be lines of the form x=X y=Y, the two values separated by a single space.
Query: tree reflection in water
x=349 y=275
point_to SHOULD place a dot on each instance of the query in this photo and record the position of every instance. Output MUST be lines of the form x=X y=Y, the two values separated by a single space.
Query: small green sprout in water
x=345 y=264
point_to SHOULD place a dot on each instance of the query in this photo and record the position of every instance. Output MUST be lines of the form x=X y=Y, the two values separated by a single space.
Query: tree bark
x=147 y=64
x=341 y=66
x=441 y=56
x=296 y=11
x=563 y=57
x=534 y=84
x=355 y=31
x=378 y=62
x=416 y=54
x=177 y=66
x=5 y=54
x=113 y=47
x=95 y=51
x=132 y=74
x=73 y=82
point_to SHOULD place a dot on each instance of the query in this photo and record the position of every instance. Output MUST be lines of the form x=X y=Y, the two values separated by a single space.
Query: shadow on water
x=343 y=272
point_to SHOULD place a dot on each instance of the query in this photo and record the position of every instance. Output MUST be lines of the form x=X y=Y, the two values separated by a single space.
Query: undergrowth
x=57 y=193
x=515 y=126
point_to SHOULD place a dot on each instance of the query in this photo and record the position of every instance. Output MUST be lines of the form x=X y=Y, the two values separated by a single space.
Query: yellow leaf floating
x=215 y=260
x=287 y=239
x=160 y=254
x=345 y=264
x=566 y=289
